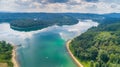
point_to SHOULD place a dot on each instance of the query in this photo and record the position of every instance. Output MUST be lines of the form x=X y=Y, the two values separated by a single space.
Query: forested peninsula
x=29 y=24
x=99 y=46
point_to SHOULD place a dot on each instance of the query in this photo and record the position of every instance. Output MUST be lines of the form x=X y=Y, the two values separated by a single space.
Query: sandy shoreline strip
x=72 y=56
x=14 y=60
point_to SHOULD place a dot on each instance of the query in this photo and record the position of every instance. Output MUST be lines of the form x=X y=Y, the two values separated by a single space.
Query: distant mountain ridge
x=23 y=20
x=12 y=16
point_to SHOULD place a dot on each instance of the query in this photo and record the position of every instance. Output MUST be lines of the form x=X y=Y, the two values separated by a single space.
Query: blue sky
x=79 y=6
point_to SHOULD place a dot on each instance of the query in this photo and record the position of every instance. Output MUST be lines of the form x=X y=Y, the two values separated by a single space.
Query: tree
x=94 y=52
x=103 y=56
x=97 y=64
x=91 y=63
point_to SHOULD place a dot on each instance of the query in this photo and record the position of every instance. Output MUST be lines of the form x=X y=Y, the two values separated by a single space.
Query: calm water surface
x=46 y=47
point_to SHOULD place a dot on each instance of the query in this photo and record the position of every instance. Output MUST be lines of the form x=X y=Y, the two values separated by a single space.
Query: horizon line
x=59 y=12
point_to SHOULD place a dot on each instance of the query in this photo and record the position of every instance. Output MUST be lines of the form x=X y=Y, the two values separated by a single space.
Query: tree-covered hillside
x=5 y=54
x=34 y=24
x=8 y=17
x=99 y=46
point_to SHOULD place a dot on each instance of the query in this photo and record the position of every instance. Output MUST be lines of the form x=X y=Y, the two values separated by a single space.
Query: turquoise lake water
x=46 y=47
x=45 y=50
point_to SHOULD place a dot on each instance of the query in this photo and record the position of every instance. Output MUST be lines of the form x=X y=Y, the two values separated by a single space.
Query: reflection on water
x=46 y=47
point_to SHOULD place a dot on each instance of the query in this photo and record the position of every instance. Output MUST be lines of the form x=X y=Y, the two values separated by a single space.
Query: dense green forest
x=6 y=53
x=99 y=46
x=34 y=24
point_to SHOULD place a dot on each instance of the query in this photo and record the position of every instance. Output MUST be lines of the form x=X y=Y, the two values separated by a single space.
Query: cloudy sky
x=79 y=6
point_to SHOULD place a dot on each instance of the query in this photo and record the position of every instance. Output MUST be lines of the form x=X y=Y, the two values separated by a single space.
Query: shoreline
x=14 y=60
x=72 y=56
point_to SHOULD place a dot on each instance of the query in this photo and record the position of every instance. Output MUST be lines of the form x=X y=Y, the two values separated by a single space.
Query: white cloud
x=80 y=6
x=7 y=5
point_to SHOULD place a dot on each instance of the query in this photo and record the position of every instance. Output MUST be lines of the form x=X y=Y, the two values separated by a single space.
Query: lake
x=46 y=47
